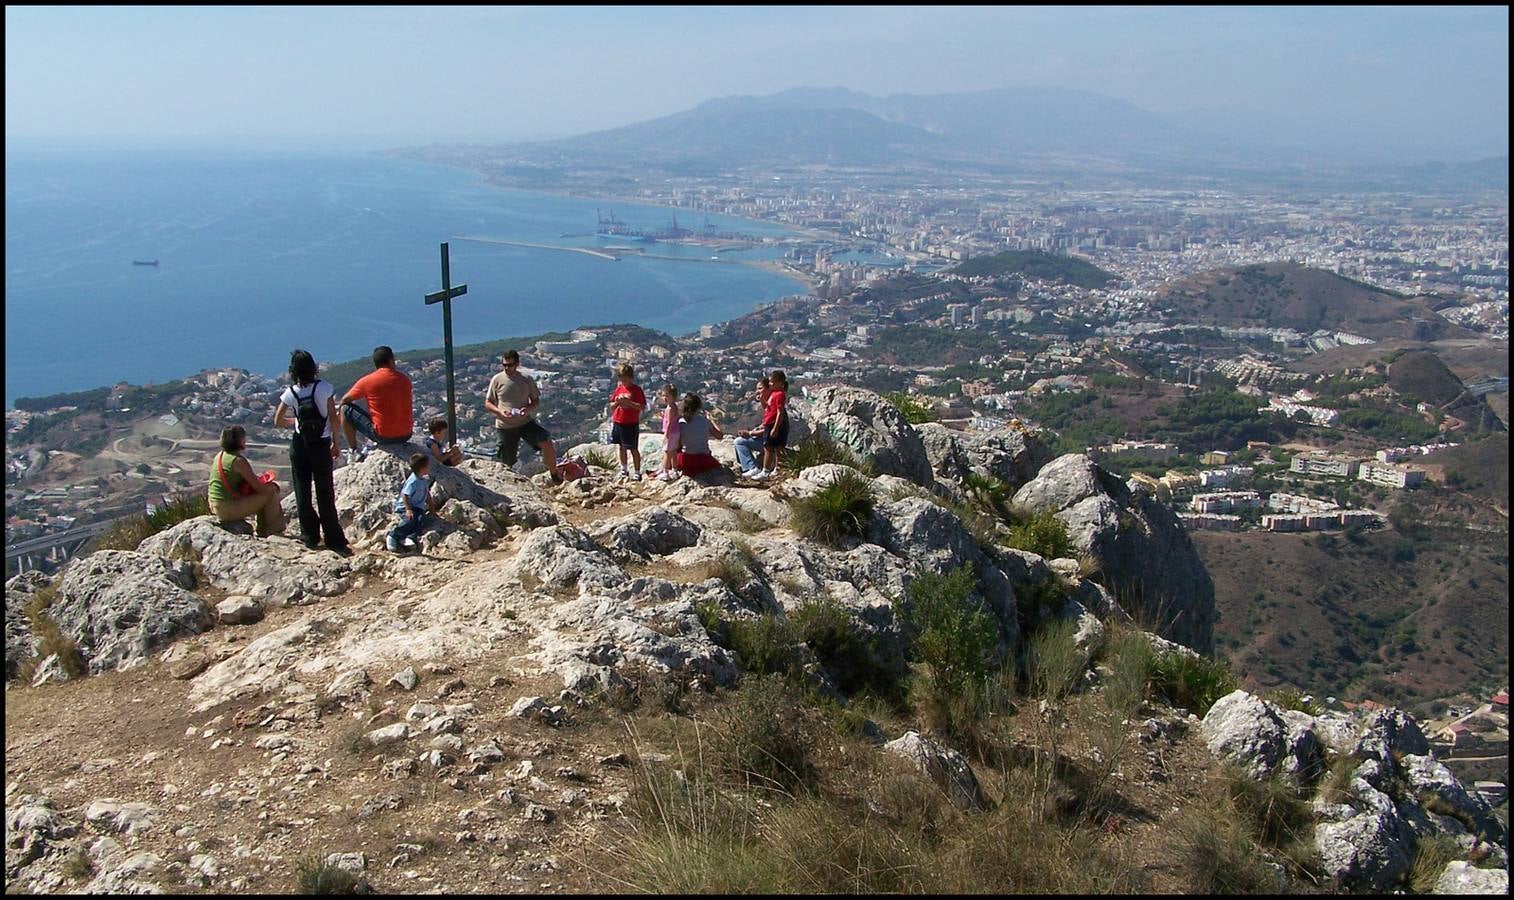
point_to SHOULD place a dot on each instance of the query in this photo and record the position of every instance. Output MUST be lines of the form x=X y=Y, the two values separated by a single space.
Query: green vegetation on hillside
x=923 y=345
x=1035 y=264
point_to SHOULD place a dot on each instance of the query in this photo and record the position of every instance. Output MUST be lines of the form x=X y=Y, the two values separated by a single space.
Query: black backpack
x=309 y=417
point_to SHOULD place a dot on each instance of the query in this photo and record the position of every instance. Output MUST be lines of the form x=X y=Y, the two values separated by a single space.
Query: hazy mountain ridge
x=1019 y=126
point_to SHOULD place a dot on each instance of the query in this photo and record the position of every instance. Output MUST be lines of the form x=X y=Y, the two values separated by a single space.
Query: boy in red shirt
x=775 y=425
x=627 y=402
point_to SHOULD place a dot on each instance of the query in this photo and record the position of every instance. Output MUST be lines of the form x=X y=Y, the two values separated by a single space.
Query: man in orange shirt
x=390 y=398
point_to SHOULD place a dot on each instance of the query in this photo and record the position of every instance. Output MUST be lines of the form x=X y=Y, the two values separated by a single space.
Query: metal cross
x=444 y=297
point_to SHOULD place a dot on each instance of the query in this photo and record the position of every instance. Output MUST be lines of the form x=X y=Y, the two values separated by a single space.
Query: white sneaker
x=761 y=475
x=410 y=542
x=750 y=473
x=636 y=476
x=675 y=475
x=624 y=473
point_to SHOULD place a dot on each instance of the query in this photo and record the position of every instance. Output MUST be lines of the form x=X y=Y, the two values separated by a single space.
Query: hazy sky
x=1430 y=82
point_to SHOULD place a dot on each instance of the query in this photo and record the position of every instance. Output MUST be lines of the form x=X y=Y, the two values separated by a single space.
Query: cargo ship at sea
x=144 y=262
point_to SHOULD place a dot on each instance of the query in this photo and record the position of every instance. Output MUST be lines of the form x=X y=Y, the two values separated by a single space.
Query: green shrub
x=130 y=532
x=818 y=449
x=834 y=636
x=731 y=570
x=601 y=458
x=1038 y=599
x=1129 y=657
x=1431 y=856
x=316 y=877
x=1335 y=787
x=766 y=735
x=50 y=639
x=766 y=645
x=1053 y=663
x=914 y=412
x=988 y=493
x=1217 y=855
x=1293 y=698
x=954 y=640
x=842 y=507
x=1192 y=682
x=1043 y=534
x=1271 y=809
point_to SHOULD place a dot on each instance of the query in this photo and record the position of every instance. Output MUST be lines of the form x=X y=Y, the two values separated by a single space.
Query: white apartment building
x=1323 y=464
x=1390 y=475
x=1225 y=501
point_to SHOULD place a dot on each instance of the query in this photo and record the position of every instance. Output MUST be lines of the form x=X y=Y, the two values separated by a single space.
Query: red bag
x=245 y=489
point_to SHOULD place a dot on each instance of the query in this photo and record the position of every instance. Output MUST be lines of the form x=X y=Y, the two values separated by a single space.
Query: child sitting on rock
x=413 y=506
x=694 y=435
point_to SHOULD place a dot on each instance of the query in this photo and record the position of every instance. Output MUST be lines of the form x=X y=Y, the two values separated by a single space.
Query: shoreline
x=802 y=283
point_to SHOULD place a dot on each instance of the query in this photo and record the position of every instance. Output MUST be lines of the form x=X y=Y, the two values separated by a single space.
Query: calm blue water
x=260 y=254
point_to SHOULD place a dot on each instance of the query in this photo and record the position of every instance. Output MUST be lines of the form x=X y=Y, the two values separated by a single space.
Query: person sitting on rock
x=775 y=425
x=389 y=418
x=236 y=493
x=750 y=441
x=694 y=433
x=441 y=451
x=413 y=505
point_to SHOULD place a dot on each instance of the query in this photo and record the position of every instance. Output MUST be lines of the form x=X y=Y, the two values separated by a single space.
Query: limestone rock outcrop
x=120 y=606
x=1008 y=454
x=872 y=428
x=1394 y=798
x=1147 y=557
x=20 y=643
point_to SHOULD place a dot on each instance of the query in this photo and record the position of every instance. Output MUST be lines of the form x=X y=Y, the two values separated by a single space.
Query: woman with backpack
x=309 y=407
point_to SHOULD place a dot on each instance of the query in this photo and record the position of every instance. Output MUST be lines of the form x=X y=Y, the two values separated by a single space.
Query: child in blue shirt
x=413 y=505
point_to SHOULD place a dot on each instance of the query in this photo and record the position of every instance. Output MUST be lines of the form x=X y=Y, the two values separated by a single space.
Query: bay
x=258 y=254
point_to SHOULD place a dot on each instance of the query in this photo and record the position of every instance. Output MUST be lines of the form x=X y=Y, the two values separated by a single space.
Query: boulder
x=275 y=571
x=390 y=734
x=1442 y=793
x=1008 y=454
x=118 y=817
x=1262 y=739
x=1463 y=878
x=120 y=606
x=872 y=428
x=1389 y=733
x=943 y=765
x=239 y=610
x=562 y=556
x=1364 y=851
x=925 y=534
x=490 y=496
x=1147 y=557
x=20 y=644
x=654 y=531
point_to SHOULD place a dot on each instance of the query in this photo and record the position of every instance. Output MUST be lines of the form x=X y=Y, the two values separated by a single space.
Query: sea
x=259 y=253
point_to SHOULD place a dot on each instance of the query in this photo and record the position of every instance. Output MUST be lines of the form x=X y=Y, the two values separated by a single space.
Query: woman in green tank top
x=228 y=471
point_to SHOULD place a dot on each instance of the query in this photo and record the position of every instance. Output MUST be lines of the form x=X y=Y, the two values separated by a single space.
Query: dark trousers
x=410 y=528
x=314 y=464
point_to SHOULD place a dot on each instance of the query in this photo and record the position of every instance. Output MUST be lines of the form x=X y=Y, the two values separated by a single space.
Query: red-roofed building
x=1500 y=699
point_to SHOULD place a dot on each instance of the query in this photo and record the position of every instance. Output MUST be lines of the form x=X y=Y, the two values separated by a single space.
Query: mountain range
x=1039 y=129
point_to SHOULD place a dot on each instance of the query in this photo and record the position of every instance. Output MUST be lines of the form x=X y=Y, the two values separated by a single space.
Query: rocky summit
x=218 y=712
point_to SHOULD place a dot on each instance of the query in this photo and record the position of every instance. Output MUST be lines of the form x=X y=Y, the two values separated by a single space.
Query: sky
x=1417 y=83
